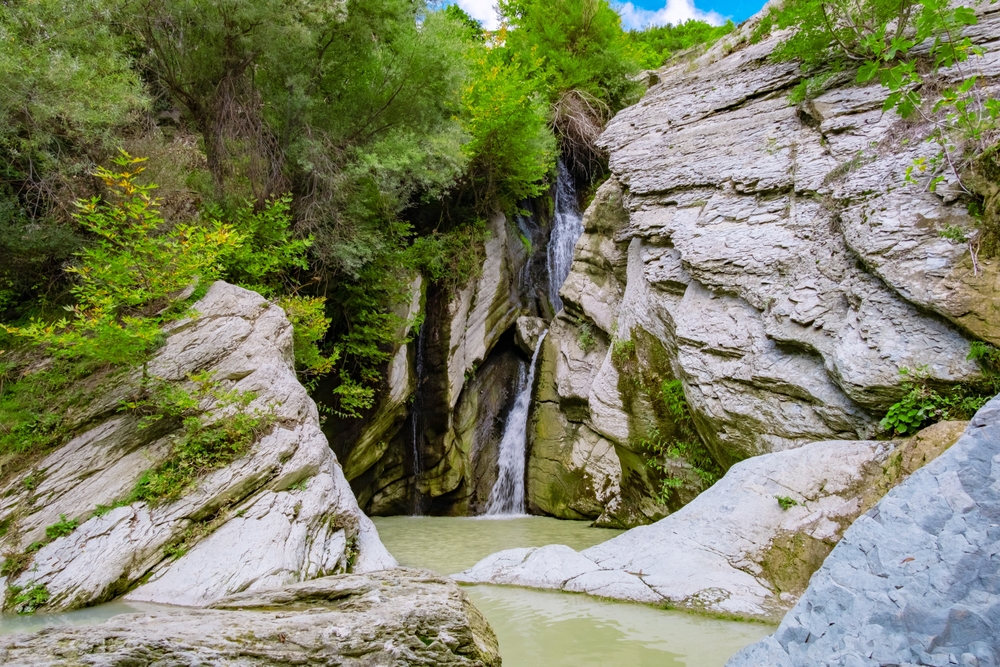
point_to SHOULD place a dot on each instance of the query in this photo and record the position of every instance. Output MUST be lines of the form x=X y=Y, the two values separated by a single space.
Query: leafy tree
x=66 y=91
x=660 y=43
x=511 y=149
x=586 y=62
x=127 y=279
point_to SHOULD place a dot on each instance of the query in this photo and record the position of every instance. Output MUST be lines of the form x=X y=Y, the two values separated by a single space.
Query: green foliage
x=473 y=28
x=33 y=400
x=622 y=350
x=954 y=233
x=585 y=337
x=451 y=258
x=580 y=45
x=510 y=148
x=267 y=251
x=683 y=442
x=886 y=41
x=127 y=278
x=27 y=600
x=309 y=327
x=658 y=44
x=786 y=503
x=66 y=90
x=207 y=440
x=14 y=563
x=61 y=528
x=923 y=405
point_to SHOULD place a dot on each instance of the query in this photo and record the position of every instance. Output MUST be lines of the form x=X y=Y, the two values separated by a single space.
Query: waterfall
x=566 y=230
x=416 y=500
x=507 y=495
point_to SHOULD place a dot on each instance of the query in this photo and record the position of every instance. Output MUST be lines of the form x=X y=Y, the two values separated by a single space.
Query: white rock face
x=733 y=549
x=281 y=514
x=776 y=254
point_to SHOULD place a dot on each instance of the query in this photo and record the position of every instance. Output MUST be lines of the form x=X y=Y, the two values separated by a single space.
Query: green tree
x=126 y=281
x=66 y=91
x=511 y=149
x=659 y=44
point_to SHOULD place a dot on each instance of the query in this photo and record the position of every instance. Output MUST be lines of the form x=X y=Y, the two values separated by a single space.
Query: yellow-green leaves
x=127 y=282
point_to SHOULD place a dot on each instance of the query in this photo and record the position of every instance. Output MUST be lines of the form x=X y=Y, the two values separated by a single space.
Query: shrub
x=206 y=441
x=683 y=443
x=127 y=279
x=786 y=503
x=61 y=528
x=923 y=405
x=27 y=600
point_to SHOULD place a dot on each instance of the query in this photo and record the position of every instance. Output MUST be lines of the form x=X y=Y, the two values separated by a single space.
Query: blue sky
x=637 y=13
x=738 y=10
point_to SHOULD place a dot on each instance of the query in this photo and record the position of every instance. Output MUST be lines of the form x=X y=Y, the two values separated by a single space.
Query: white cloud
x=675 y=11
x=484 y=11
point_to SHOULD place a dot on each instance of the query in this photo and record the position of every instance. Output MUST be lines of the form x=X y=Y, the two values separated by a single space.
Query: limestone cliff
x=770 y=257
x=282 y=513
x=431 y=444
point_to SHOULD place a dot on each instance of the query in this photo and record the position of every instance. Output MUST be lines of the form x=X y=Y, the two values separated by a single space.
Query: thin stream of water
x=567 y=226
x=507 y=495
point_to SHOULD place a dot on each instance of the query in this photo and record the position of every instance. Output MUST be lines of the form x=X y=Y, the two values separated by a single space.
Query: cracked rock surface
x=392 y=617
x=916 y=580
x=734 y=549
x=280 y=514
x=775 y=253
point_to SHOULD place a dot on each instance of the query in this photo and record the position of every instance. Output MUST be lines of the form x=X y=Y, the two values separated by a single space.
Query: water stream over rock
x=567 y=226
x=507 y=496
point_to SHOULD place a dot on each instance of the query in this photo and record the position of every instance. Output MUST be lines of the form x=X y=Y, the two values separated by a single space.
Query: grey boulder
x=916 y=580
x=394 y=617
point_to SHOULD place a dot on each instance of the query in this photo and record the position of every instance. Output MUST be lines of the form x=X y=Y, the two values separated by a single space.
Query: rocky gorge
x=755 y=280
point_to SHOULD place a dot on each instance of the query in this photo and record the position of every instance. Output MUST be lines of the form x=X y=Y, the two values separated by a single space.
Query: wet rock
x=529 y=330
x=746 y=546
x=914 y=580
x=280 y=514
x=394 y=617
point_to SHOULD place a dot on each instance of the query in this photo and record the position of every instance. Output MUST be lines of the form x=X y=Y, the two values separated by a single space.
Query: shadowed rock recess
x=769 y=257
x=916 y=580
x=280 y=514
x=393 y=617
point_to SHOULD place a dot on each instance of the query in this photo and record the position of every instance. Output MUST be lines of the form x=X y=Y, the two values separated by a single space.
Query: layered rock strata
x=282 y=513
x=454 y=379
x=772 y=258
x=395 y=617
x=747 y=546
x=916 y=580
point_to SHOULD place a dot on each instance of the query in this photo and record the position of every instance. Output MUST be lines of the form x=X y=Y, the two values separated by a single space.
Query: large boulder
x=395 y=617
x=280 y=514
x=916 y=580
x=747 y=546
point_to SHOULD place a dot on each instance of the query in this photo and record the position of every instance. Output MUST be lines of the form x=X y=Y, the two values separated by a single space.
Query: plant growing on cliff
x=127 y=280
x=683 y=443
x=886 y=40
x=923 y=405
x=786 y=503
x=218 y=425
x=28 y=599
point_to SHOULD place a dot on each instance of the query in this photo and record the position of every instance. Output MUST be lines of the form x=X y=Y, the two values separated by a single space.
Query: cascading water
x=416 y=500
x=567 y=227
x=507 y=495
